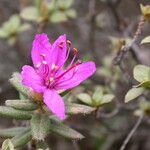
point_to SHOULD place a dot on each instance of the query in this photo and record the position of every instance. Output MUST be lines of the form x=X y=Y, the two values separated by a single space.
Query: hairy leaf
x=9 y=112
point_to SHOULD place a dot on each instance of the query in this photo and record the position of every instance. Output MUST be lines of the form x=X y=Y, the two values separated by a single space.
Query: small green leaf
x=141 y=73
x=21 y=139
x=133 y=93
x=145 y=106
x=7 y=145
x=107 y=98
x=11 y=132
x=16 y=82
x=78 y=109
x=58 y=16
x=65 y=3
x=26 y=105
x=146 y=40
x=97 y=95
x=30 y=13
x=24 y=27
x=65 y=131
x=3 y=33
x=85 y=98
x=71 y=13
x=9 y=112
x=39 y=126
x=14 y=22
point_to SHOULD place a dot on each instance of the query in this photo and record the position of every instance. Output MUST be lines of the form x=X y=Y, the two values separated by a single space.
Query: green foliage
x=16 y=82
x=100 y=97
x=74 y=109
x=9 y=112
x=21 y=138
x=53 y=11
x=39 y=126
x=11 y=132
x=63 y=130
x=133 y=93
x=146 y=40
x=26 y=105
x=145 y=11
x=8 y=145
x=141 y=73
x=11 y=28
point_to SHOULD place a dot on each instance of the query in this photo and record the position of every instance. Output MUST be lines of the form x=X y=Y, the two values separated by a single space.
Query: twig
x=125 y=48
x=123 y=146
x=92 y=17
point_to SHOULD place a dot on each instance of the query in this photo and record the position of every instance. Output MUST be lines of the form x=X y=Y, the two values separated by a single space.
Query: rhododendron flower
x=48 y=76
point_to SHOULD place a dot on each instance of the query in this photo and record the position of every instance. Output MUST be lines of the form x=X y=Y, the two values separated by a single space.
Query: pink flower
x=49 y=76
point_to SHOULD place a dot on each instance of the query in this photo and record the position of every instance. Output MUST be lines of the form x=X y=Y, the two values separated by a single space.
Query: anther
x=68 y=42
x=60 y=46
x=43 y=55
x=51 y=79
x=75 y=51
x=54 y=67
x=44 y=62
x=38 y=65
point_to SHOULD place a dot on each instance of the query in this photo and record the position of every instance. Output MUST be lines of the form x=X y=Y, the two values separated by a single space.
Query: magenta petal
x=31 y=79
x=59 y=49
x=55 y=103
x=40 y=46
x=71 y=79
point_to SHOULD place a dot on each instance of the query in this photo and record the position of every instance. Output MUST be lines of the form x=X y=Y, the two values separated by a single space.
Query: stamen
x=60 y=46
x=54 y=67
x=38 y=65
x=44 y=62
x=51 y=79
x=75 y=51
x=67 y=70
x=68 y=42
x=43 y=55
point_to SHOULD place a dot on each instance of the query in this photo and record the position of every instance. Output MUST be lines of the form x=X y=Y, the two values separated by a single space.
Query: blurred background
x=97 y=28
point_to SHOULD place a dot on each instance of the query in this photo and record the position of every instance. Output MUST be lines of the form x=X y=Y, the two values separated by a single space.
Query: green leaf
x=3 y=33
x=7 y=145
x=133 y=93
x=9 y=112
x=65 y=131
x=145 y=106
x=21 y=139
x=26 y=105
x=42 y=145
x=30 y=13
x=65 y=3
x=78 y=109
x=141 y=73
x=39 y=126
x=97 y=95
x=58 y=16
x=107 y=98
x=16 y=82
x=146 y=40
x=24 y=27
x=11 y=132
x=14 y=22
x=85 y=98
x=71 y=13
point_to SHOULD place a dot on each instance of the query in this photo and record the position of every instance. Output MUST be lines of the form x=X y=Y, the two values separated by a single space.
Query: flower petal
x=31 y=79
x=40 y=46
x=72 y=79
x=59 y=49
x=55 y=103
